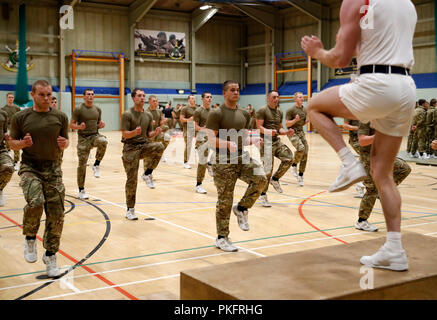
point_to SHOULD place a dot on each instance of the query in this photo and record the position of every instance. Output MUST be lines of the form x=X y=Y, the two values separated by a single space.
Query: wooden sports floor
x=107 y=257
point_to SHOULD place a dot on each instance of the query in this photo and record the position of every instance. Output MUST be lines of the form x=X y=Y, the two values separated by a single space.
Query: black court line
x=72 y=206
x=78 y=264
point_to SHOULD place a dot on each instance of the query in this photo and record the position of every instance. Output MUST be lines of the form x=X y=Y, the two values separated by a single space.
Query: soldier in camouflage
x=42 y=133
x=10 y=108
x=6 y=164
x=136 y=130
x=419 y=128
x=401 y=170
x=430 y=128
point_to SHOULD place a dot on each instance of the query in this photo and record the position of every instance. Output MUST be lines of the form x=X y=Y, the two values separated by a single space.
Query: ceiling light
x=205 y=7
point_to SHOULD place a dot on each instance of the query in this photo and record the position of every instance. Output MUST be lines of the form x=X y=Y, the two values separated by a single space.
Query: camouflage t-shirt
x=272 y=119
x=90 y=116
x=291 y=113
x=132 y=119
x=229 y=122
x=44 y=128
x=187 y=112
x=3 y=128
x=11 y=110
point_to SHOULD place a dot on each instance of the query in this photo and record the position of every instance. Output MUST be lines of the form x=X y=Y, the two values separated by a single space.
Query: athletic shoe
x=242 y=217
x=82 y=195
x=130 y=214
x=96 y=170
x=51 y=265
x=347 y=176
x=300 y=181
x=211 y=173
x=225 y=244
x=149 y=180
x=276 y=185
x=16 y=166
x=187 y=166
x=359 y=187
x=30 y=254
x=200 y=189
x=264 y=201
x=294 y=171
x=365 y=226
x=2 y=199
x=387 y=259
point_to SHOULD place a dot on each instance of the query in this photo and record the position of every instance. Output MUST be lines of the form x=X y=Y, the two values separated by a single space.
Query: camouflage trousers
x=299 y=141
x=430 y=137
x=401 y=170
x=225 y=178
x=410 y=141
x=132 y=154
x=84 y=146
x=163 y=138
x=16 y=152
x=6 y=168
x=202 y=148
x=419 y=141
x=280 y=151
x=43 y=189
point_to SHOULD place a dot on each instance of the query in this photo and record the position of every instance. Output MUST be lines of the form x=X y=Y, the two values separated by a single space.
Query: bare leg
x=321 y=110
x=384 y=151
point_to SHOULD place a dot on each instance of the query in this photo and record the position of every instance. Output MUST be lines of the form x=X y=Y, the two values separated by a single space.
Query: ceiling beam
x=262 y=16
x=138 y=9
x=200 y=17
x=309 y=7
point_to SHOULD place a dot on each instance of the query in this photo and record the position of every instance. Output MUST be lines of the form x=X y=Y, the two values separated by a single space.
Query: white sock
x=393 y=241
x=346 y=156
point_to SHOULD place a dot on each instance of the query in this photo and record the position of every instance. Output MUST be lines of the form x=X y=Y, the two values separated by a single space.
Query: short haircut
x=10 y=94
x=204 y=94
x=433 y=102
x=191 y=95
x=41 y=83
x=297 y=93
x=134 y=92
x=271 y=91
x=421 y=102
x=54 y=98
x=227 y=83
x=151 y=97
x=86 y=90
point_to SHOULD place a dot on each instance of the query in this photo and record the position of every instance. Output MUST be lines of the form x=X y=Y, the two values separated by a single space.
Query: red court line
x=108 y=282
x=306 y=220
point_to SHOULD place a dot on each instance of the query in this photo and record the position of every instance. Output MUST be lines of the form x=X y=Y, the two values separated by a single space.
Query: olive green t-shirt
x=291 y=114
x=272 y=119
x=131 y=119
x=90 y=116
x=224 y=119
x=177 y=112
x=11 y=110
x=201 y=115
x=44 y=128
x=156 y=116
x=366 y=130
x=3 y=128
x=187 y=112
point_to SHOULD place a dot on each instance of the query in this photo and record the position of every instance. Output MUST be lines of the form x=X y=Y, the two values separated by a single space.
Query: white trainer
x=96 y=170
x=300 y=181
x=347 y=176
x=294 y=171
x=187 y=165
x=149 y=180
x=82 y=195
x=365 y=226
x=242 y=217
x=264 y=201
x=276 y=185
x=359 y=187
x=30 y=254
x=211 y=173
x=200 y=189
x=386 y=259
x=51 y=265
x=2 y=199
x=225 y=244
x=130 y=214
x=16 y=166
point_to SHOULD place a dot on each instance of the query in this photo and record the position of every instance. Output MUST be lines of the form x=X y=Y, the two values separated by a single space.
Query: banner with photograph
x=159 y=44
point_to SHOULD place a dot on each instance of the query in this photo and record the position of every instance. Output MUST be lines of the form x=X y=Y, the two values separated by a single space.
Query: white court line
x=428 y=234
x=174 y=224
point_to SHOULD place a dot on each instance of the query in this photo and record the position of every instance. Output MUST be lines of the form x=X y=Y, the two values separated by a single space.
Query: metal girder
x=264 y=17
x=200 y=17
x=138 y=9
x=311 y=8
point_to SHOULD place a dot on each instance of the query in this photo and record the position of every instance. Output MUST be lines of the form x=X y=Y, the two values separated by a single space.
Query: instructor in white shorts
x=380 y=33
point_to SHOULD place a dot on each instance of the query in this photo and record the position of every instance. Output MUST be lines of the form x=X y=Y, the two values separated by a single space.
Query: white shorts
x=386 y=100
